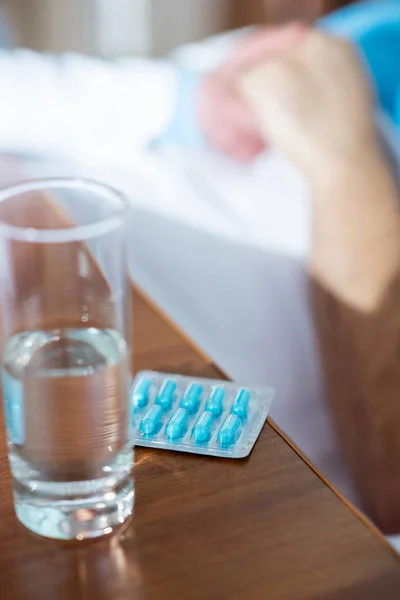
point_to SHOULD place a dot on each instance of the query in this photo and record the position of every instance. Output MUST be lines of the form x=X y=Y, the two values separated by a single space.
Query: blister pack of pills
x=202 y=416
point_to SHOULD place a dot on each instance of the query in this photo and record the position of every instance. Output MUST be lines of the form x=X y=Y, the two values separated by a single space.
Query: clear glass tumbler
x=65 y=354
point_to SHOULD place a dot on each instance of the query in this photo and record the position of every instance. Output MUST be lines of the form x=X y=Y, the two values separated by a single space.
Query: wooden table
x=264 y=527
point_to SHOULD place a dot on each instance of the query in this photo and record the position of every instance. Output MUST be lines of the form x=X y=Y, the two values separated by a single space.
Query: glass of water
x=65 y=354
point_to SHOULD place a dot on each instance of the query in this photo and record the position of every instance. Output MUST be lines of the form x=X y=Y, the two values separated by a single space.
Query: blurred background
x=110 y=28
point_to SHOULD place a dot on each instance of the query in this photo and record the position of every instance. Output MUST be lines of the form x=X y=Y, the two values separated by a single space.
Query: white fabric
x=77 y=106
x=210 y=53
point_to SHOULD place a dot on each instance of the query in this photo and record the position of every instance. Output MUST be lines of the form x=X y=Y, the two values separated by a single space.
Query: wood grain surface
x=263 y=527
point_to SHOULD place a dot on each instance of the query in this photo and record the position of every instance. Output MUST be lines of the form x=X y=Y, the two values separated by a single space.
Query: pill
x=140 y=395
x=166 y=394
x=228 y=430
x=202 y=429
x=177 y=424
x=151 y=420
x=191 y=399
x=215 y=402
x=241 y=405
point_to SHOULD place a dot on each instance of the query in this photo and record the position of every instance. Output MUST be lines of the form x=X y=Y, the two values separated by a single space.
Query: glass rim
x=75 y=233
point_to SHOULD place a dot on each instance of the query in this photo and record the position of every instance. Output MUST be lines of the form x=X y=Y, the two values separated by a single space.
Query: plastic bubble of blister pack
x=202 y=416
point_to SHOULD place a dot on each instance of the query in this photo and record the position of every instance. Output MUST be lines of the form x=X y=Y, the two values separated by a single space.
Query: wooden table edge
x=356 y=512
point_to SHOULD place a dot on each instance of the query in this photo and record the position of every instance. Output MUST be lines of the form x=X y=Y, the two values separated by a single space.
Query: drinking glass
x=65 y=332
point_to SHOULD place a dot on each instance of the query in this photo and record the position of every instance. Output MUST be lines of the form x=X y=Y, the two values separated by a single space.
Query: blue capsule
x=191 y=399
x=241 y=405
x=202 y=429
x=215 y=404
x=152 y=420
x=177 y=424
x=166 y=394
x=140 y=396
x=229 y=429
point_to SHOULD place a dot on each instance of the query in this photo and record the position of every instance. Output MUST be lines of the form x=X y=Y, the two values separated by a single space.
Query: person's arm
x=355 y=268
x=315 y=105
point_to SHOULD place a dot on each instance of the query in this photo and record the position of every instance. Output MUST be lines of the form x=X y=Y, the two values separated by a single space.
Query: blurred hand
x=226 y=119
x=314 y=103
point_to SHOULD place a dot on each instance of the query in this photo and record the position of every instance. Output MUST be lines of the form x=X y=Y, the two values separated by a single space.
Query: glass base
x=77 y=519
